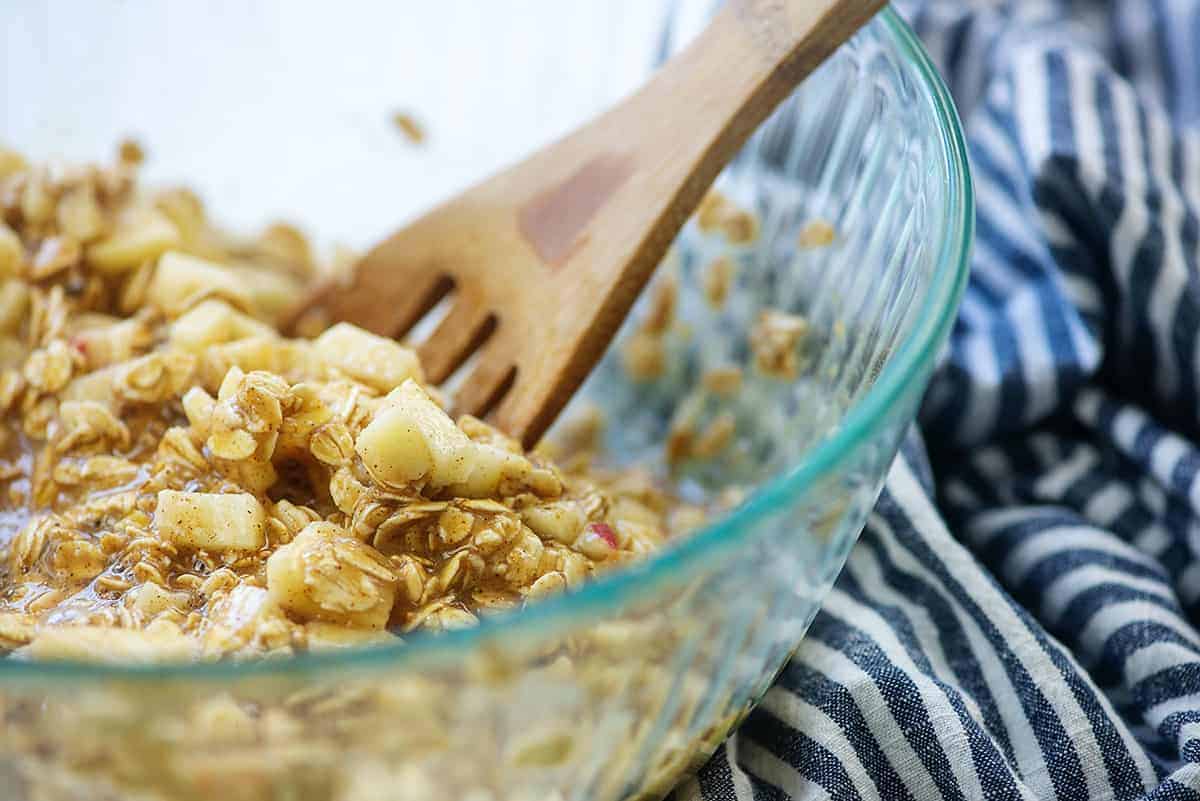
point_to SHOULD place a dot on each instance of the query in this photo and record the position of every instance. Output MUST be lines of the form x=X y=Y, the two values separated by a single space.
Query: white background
x=281 y=108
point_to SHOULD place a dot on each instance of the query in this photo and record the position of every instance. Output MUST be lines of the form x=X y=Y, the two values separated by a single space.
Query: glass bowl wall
x=283 y=109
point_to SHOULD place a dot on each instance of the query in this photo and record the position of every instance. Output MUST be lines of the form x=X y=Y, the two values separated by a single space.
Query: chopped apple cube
x=214 y=321
x=12 y=351
x=330 y=637
x=150 y=599
x=156 y=643
x=198 y=405
x=141 y=234
x=167 y=373
x=106 y=343
x=12 y=252
x=181 y=280
x=272 y=293
x=233 y=618
x=489 y=466
x=411 y=439
x=271 y=354
x=560 y=522
x=186 y=210
x=79 y=214
x=211 y=521
x=326 y=574
x=377 y=361
x=98 y=386
x=394 y=449
x=14 y=300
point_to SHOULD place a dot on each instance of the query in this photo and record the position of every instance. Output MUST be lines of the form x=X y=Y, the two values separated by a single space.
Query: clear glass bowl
x=281 y=108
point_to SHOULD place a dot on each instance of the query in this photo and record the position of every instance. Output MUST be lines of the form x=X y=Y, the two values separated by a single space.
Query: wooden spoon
x=546 y=258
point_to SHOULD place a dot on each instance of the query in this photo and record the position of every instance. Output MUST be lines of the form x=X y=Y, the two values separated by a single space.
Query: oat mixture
x=180 y=481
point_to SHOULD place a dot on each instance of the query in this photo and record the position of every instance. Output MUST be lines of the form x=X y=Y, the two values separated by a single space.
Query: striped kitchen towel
x=1020 y=618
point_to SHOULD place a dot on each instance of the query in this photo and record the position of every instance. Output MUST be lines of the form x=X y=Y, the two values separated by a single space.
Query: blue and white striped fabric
x=1020 y=617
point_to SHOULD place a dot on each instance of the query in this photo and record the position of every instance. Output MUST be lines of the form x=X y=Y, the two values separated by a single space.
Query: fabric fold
x=1020 y=617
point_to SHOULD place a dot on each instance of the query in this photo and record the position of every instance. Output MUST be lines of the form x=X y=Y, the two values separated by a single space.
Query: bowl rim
x=860 y=424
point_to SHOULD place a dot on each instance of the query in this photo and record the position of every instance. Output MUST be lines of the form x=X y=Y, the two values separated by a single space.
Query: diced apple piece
x=257 y=353
x=141 y=234
x=411 y=438
x=326 y=574
x=150 y=599
x=198 y=405
x=79 y=214
x=180 y=280
x=376 y=361
x=184 y=208
x=271 y=292
x=13 y=351
x=211 y=521
x=560 y=522
x=214 y=321
x=490 y=465
x=12 y=252
x=330 y=637
x=597 y=541
x=173 y=370
x=155 y=643
x=14 y=300
x=98 y=386
x=270 y=354
x=234 y=617
x=393 y=448
x=102 y=343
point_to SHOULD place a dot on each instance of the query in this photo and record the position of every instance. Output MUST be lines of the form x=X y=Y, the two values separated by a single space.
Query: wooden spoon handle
x=695 y=112
x=614 y=193
x=752 y=55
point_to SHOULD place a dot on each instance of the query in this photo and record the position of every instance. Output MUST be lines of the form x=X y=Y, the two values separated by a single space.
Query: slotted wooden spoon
x=545 y=258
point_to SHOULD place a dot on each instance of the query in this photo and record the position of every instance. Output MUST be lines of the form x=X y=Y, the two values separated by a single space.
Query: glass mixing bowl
x=283 y=108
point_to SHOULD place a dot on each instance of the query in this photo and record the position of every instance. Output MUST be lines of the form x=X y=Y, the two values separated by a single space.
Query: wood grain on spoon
x=546 y=258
